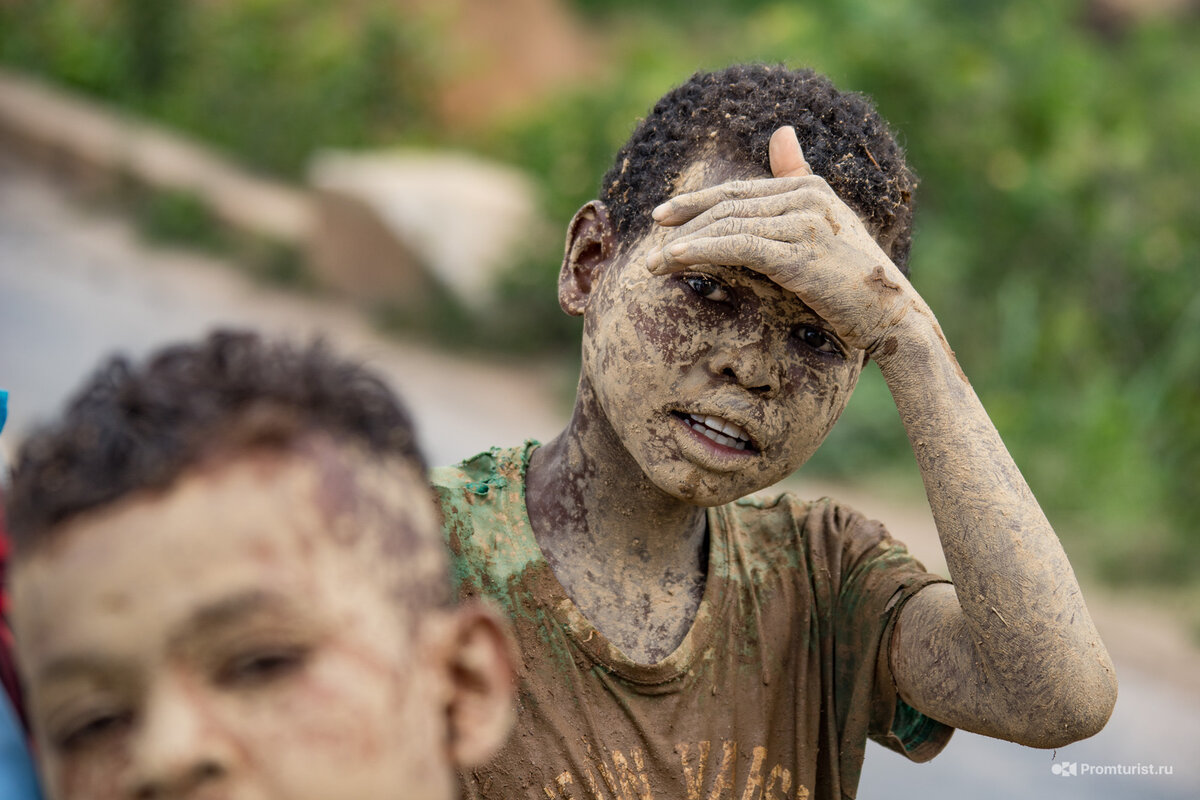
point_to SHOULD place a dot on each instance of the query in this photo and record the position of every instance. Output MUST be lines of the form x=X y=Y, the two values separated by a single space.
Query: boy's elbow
x=1072 y=725
x=1080 y=711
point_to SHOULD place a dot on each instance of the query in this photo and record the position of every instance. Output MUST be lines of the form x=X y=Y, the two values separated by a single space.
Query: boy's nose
x=751 y=364
x=179 y=748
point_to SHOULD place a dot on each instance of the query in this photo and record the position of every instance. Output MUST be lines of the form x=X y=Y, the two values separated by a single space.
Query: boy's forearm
x=980 y=501
x=1022 y=614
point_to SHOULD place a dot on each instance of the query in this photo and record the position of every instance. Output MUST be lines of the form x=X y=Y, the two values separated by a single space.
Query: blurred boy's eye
x=707 y=288
x=261 y=666
x=817 y=339
x=91 y=729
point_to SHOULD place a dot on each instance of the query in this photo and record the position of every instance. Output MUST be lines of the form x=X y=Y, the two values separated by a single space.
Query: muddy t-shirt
x=772 y=694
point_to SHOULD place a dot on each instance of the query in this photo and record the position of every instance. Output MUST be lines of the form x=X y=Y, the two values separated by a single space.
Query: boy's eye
x=707 y=288
x=261 y=666
x=817 y=339
x=91 y=730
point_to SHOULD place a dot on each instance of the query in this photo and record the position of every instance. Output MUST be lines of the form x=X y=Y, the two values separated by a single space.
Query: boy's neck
x=631 y=556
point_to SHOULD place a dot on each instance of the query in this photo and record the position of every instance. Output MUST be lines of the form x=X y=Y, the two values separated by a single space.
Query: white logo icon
x=1065 y=769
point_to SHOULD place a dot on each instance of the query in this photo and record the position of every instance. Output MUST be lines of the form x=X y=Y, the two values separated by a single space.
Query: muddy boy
x=747 y=256
x=229 y=583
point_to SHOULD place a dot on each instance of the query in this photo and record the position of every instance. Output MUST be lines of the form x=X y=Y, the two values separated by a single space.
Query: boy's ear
x=482 y=663
x=590 y=245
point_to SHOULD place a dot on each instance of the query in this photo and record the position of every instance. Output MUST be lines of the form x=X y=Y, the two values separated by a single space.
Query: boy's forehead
x=318 y=488
x=712 y=167
x=256 y=520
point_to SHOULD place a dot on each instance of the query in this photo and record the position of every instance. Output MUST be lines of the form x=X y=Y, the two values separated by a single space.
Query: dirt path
x=76 y=286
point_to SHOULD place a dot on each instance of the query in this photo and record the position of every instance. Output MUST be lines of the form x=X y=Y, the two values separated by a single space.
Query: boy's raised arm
x=1010 y=650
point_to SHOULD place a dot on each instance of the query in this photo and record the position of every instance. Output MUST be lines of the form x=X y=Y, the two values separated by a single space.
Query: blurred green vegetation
x=1058 y=230
x=268 y=80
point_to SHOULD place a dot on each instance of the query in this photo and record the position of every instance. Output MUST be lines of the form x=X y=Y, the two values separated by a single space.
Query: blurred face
x=717 y=381
x=237 y=637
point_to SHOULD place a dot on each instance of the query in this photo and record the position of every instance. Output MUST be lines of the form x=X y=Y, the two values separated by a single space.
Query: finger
x=787 y=159
x=683 y=207
x=765 y=256
x=796 y=228
x=776 y=209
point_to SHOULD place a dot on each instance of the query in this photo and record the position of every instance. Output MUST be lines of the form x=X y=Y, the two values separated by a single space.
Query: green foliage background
x=1058 y=230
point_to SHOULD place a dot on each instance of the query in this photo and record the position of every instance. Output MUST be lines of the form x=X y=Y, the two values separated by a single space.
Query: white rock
x=457 y=217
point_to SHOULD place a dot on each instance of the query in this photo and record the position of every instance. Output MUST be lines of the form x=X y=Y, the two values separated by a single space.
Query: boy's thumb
x=787 y=159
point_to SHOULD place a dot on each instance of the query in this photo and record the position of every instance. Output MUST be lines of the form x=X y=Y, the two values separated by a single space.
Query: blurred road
x=75 y=287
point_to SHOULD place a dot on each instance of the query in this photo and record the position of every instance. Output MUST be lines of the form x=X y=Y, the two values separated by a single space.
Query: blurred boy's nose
x=179 y=750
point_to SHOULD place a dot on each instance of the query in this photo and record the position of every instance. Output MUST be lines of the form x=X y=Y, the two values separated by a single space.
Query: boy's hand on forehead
x=795 y=230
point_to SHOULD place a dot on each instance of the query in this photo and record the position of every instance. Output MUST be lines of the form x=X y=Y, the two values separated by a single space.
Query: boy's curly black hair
x=737 y=109
x=136 y=428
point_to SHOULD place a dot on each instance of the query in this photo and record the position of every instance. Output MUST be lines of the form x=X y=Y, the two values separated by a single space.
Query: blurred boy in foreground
x=228 y=582
x=17 y=779
x=746 y=256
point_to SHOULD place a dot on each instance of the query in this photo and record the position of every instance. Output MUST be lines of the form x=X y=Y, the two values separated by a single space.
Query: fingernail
x=659 y=213
x=654 y=260
x=678 y=249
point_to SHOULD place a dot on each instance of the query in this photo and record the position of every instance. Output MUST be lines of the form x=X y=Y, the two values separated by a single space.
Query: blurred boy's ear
x=590 y=243
x=482 y=667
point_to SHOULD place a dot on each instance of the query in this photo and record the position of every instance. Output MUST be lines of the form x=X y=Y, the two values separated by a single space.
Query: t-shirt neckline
x=588 y=637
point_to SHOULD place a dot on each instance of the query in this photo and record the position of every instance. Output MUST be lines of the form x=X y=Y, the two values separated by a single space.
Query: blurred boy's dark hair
x=135 y=428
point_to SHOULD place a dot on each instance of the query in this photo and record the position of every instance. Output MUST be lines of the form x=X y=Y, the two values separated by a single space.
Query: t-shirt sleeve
x=878 y=576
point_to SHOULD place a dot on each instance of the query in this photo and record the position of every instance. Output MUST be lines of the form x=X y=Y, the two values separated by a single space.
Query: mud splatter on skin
x=617 y=499
x=834 y=226
x=880 y=278
x=1011 y=651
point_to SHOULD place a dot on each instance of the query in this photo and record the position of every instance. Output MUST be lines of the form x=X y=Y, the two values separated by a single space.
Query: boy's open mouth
x=720 y=431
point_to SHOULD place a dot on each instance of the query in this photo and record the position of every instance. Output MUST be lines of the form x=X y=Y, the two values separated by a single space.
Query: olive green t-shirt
x=772 y=693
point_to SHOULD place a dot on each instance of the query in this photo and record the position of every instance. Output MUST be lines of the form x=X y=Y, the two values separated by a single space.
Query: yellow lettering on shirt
x=728 y=774
x=783 y=776
x=693 y=775
x=630 y=778
x=754 y=781
x=624 y=777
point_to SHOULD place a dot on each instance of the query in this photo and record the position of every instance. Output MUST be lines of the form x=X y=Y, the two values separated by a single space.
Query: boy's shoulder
x=481 y=474
x=787 y=510
x=825 y=530
x=484 y=522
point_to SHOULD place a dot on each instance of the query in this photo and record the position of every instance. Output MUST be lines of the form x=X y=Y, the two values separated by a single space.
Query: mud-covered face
x=717 y=381
x=238 y=636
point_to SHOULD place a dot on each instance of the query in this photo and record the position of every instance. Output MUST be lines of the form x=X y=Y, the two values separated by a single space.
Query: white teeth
x=720 y=431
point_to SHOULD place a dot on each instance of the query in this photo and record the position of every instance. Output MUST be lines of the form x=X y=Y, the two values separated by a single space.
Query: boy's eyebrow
x=212 y=617
x=74 y=665
x=227 y=611
x=726 y=272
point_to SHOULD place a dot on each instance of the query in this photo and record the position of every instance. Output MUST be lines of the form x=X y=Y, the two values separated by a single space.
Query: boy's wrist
x=914 y=337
